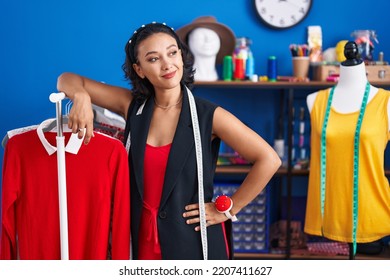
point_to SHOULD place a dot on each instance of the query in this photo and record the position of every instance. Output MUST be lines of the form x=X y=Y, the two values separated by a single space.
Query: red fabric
x=155 y=164
x=111 y=130
x=97 y=191
x=226 y=241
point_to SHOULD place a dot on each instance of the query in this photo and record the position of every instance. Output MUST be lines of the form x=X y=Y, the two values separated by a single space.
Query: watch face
x=282 y=14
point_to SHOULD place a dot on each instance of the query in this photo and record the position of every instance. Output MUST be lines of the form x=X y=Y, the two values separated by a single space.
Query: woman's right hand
x=84 y=92
x=81 y=116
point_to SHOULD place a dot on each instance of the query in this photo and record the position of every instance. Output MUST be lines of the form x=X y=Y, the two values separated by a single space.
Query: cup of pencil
x=300 y=60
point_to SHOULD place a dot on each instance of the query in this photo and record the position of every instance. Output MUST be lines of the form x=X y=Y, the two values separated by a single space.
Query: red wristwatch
x=224 y=204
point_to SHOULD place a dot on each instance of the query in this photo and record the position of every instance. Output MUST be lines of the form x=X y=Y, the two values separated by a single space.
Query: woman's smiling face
x=160 y=60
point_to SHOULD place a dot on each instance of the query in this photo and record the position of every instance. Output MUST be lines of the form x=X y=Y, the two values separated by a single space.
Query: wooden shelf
x=278 y=85
x=244 y=169
x=306 y=255
x=265 y=85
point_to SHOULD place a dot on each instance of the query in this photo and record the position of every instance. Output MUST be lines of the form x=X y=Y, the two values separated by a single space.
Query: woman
x=163 y=171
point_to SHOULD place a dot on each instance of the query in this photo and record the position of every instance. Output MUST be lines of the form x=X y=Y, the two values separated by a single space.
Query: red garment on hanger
x=98 y=199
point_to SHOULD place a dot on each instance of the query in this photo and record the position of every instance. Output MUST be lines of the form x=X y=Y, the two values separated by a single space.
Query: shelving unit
x=287 y=89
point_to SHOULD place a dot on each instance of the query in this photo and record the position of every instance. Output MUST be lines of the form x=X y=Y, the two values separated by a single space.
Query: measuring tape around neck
x=199 y=164
x=355 y=161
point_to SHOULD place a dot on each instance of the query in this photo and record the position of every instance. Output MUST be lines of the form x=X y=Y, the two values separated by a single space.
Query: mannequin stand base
x=351 y=255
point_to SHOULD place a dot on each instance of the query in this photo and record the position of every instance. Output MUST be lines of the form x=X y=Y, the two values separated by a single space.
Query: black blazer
x=177 y=239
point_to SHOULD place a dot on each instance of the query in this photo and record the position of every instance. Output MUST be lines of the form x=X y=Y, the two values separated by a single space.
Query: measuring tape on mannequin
x=199 y=164
x=355 y=161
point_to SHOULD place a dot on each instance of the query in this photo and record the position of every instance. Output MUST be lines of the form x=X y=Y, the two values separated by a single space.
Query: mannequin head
x=204 y=42
x=351 y=53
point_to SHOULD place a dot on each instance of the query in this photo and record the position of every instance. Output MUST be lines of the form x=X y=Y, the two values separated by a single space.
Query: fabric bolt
x=98 y=198
x=373 y=193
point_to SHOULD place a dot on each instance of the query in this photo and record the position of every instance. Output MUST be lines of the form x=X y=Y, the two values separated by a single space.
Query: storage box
x=321 y=72
x=375 y=73
x=378 y=73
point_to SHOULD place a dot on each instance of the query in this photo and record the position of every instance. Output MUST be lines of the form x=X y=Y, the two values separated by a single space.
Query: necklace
x=168 y=106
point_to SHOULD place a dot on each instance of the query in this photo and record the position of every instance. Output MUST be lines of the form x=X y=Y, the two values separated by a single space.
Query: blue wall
x=41 y=39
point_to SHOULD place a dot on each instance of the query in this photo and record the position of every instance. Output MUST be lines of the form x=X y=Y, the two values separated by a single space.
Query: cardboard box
x=378 y=73
x=321 y=72
x=375 y=73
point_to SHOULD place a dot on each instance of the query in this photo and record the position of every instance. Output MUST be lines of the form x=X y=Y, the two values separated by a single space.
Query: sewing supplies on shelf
x=300 y=61
x=243 y=60
x=299 y=50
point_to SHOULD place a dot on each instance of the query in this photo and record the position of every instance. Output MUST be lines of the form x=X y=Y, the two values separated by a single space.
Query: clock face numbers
x=282 y=14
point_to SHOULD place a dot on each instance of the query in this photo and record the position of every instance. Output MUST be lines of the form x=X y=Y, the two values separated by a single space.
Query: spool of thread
x=255 y=78
x=227 y=68
x=272 y=68
x=239 y=73
x=381 y=56
x=249 y=67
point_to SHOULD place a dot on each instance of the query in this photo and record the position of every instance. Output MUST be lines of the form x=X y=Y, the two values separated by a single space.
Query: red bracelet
x=224 y=204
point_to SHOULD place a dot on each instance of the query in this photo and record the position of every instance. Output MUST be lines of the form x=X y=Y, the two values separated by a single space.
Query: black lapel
x=139 y=128
x=183 y=143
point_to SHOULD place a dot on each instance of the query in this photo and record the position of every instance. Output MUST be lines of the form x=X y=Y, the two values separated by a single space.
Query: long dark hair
x=142 y=88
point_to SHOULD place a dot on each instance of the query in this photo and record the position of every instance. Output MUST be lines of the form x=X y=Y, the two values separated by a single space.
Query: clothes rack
x=63 y=210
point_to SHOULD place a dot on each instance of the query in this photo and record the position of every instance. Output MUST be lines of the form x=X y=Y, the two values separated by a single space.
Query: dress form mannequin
x=204 y=44
x=348 y=189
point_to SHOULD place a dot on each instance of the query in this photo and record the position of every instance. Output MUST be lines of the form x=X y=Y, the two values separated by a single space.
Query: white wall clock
x=282 y=14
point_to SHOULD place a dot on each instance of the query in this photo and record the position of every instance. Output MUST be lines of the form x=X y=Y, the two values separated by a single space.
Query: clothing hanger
x=16 y=131
x=111 y=126
x=63 y=119
x=50 y=126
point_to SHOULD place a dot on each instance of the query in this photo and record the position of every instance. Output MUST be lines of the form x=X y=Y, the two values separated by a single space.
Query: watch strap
x=230 y=216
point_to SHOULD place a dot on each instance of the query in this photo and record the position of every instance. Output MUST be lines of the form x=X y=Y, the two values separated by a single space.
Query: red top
x=98 y=199
x=155 y=164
